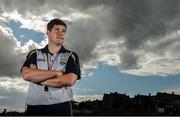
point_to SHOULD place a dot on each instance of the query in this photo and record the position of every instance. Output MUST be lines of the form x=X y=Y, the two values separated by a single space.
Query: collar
x=61 y=50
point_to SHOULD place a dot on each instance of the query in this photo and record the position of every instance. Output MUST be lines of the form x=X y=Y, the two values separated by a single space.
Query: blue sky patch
x=23 y=34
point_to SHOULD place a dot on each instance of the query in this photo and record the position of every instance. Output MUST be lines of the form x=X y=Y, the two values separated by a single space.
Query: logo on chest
x=63 y=59
x=63 y=62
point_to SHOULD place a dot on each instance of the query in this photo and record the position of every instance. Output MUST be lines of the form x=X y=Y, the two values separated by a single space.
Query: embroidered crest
x=62 y=63
x=64 y=58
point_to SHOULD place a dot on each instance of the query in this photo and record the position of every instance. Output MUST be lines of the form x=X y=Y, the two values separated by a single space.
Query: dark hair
x=53 y=22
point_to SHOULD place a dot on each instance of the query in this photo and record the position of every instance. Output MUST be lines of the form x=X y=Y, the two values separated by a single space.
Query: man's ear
x=46 y=32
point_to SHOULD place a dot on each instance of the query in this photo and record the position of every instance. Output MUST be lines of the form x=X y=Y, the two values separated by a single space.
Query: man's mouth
x=59 y=37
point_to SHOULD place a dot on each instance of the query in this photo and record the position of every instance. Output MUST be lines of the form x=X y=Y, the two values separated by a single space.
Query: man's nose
x=58 y=33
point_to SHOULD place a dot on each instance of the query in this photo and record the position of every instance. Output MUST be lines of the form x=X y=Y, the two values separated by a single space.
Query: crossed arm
x=51 y=78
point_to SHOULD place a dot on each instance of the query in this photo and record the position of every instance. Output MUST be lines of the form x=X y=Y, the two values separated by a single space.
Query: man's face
x=57 y=34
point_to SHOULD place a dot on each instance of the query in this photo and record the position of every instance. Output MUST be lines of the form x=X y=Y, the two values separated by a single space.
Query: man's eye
x=63 y=30
x=59 y=30
x=56 y=29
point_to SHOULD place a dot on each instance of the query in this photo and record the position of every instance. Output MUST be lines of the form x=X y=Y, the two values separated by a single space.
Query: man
x=51 y=71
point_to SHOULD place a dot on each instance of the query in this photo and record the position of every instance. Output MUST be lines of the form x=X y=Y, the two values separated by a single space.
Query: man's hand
x=60 y=73
x=55 y=79
x=32 y=66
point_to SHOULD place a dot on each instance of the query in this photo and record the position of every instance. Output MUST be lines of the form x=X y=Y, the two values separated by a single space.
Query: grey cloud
x=128 y=60
x=9 y=61
x=137 y=20
x=83 y=37
x=22 y=6
x=169 y=45
x=129 y=16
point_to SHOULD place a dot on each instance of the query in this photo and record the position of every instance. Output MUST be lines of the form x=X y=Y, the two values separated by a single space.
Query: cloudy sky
x=125 y=46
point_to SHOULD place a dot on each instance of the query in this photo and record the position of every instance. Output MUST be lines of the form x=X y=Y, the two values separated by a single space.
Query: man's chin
x=59 y=43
